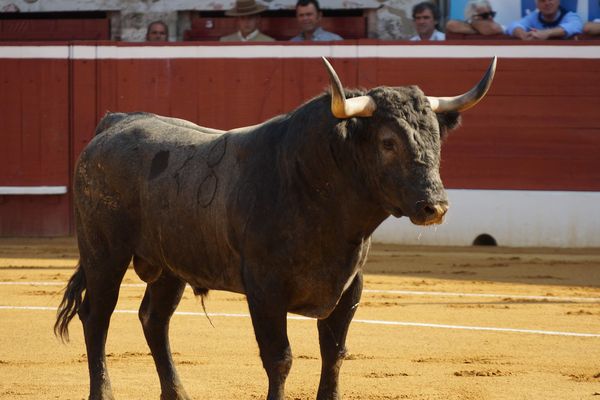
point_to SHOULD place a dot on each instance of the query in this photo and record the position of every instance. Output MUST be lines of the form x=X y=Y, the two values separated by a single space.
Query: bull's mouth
x=430 y=214
x=427 y=221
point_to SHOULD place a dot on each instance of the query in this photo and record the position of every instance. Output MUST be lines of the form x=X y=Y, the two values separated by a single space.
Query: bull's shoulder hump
x=178 y=122
x=111 y=119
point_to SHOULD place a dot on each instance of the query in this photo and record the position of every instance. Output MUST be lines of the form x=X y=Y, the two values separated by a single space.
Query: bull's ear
x=448 y=121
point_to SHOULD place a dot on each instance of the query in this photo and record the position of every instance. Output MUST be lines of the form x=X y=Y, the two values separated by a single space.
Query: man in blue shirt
x=550 y=20
x=308 y=14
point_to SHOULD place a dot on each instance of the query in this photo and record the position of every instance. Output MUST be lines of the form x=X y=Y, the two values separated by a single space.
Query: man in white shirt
x=426 y=16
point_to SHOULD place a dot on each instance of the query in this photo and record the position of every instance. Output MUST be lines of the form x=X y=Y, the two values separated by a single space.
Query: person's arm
x=544 y=34
x=592 y=28
x=456 y=26
x=571 y=24
x=487 y=27
x=521 y=33
x=520 y=28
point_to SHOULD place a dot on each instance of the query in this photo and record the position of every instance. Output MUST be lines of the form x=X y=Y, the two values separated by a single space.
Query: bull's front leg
x=332 y=340
x=269 y=319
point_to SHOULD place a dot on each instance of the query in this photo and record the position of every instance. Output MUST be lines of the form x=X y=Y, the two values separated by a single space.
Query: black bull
x=281 y=212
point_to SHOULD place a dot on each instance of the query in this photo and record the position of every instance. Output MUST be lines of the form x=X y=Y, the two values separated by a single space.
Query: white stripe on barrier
x=103 y=52
x=360 y=321
x=40 y=190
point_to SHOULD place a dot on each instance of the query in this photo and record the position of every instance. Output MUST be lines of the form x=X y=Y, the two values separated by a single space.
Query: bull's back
x=164 y=182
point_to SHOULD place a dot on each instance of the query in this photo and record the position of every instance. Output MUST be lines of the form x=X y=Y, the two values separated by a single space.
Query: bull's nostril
x=429 y=210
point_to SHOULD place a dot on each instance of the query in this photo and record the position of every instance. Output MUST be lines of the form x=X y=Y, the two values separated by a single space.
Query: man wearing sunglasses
x=479 y=20
x=549 y=21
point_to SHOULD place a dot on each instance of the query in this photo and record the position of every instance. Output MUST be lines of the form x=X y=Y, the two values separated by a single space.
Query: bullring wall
x=536 y=133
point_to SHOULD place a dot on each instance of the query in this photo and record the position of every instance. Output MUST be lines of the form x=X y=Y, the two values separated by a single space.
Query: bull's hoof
x=178 y=394
x=103 y=396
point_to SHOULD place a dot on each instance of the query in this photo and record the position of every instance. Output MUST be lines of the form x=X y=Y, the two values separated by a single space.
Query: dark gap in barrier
x=485 y=240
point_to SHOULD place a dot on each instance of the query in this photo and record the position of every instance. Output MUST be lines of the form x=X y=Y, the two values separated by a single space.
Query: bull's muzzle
x=430 y=213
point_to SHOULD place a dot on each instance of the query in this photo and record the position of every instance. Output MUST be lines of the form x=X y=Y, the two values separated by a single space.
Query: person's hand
x=543 y=34
x=486 y=27
x=522 y=34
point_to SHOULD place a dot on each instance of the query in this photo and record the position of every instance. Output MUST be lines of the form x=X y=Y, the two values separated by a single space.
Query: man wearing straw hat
x=247 y=13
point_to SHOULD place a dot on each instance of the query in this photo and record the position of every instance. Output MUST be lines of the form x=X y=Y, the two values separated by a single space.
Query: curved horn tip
x=491 y=70
x=469 y=99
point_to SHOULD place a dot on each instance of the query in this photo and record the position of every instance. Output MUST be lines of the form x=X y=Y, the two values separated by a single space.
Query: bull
x=281 y=212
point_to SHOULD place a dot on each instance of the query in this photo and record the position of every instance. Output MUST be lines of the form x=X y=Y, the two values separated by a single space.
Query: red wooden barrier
x=538 y=128
x=34 y=115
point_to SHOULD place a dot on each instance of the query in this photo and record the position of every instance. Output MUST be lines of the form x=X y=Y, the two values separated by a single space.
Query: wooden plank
x=55 y=29
x=186 y=90
x=10 y=117
x=524 y=112
x=239 y=93
x=514 y=77
x=535 y=159
x=53 y=135
x=34 y=216
x=284 y=28
x=35 y=152
x=106 y=88
x=83 y=111
x=307 y=78
x=30 y=148
x=280 y=28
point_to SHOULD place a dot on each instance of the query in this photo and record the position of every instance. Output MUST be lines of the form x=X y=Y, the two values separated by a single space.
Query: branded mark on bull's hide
x=160 y=162
x=217 y=151
x=177 y=174
x=207 y=190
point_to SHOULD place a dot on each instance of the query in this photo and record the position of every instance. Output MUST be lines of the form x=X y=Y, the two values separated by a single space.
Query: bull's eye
x=389 y=144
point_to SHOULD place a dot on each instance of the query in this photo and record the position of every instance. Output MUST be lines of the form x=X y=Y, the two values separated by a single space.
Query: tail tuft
x=202 y=293
x=70 y=304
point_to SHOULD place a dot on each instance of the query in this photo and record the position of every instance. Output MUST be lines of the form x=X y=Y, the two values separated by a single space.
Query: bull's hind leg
x=160 y=301
x=332 y=340
x=103 y=276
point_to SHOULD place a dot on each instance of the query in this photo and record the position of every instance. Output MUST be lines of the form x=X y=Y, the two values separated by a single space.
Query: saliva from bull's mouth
x=438 y=221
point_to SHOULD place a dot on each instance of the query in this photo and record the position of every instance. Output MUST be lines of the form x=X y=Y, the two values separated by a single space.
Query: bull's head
x=404 y=156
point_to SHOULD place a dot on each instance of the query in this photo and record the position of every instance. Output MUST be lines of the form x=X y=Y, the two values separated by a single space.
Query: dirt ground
x=434 y=323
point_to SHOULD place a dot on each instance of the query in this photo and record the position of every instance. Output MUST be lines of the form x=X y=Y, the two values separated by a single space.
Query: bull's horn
x=466 y=100
x=363 y=106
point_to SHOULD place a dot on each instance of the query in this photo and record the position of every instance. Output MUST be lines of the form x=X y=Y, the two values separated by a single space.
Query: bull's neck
x=321 y=165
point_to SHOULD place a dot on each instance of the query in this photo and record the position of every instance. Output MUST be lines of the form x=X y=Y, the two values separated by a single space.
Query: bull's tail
x=70 y=304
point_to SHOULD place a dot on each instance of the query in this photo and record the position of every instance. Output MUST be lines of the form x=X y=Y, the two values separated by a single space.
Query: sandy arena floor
x=434 y=323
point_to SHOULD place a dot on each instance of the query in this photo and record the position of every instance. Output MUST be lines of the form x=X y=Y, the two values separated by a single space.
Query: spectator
x=157 y=31
x=308 y=14
x=550 y=20
x=479 y=20
x=592 y=28
x=247 y=13
x=426 y=16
